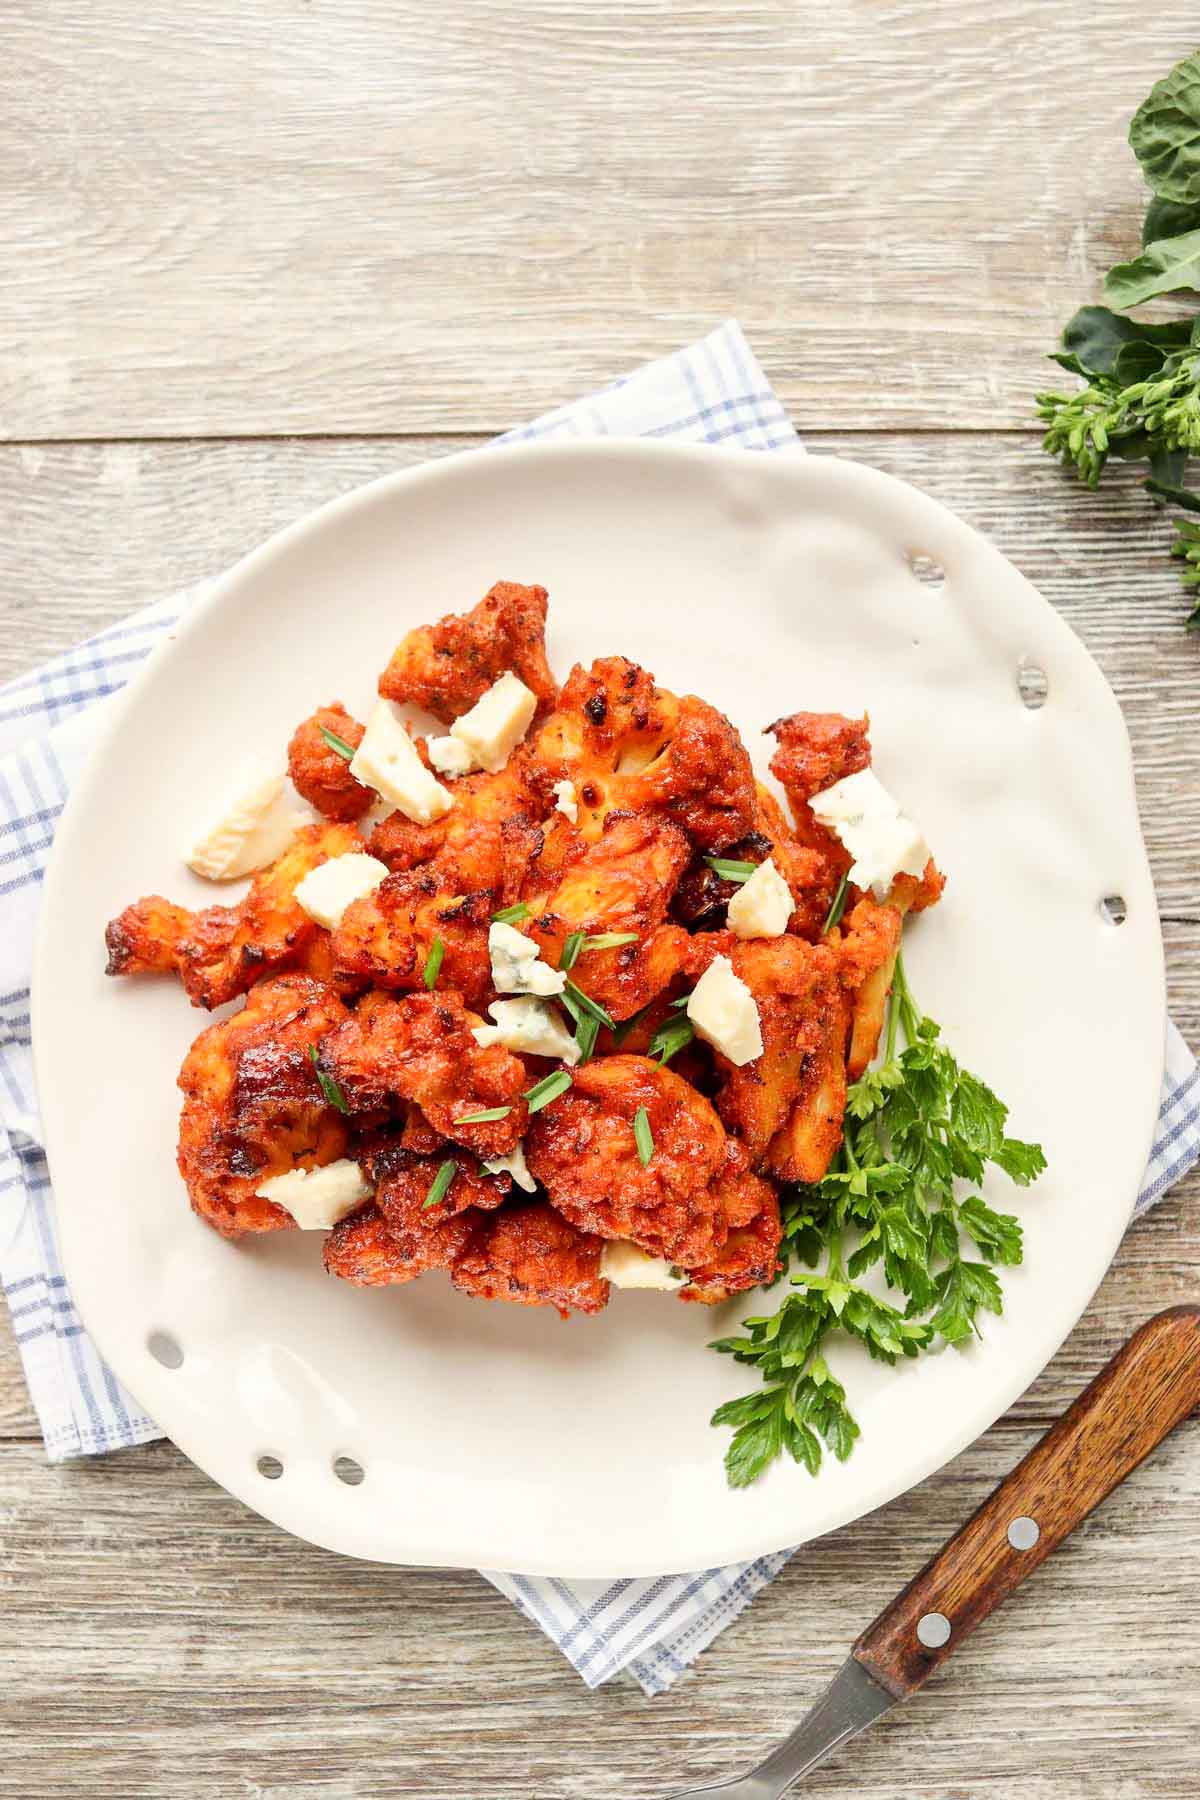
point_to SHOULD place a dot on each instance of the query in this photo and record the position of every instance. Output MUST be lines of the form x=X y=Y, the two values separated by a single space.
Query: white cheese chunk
x=530 y=1026
x=722 y=1009
x=566 y=801
x=762 y=906
x=328 y=890
x=254 y=830
x=497 y=722
x=883 y=841
x=516 y=966
x=387 y=761
x=449 y=756
x=626 y=1266
x=318 y=1198
x=513 y=1164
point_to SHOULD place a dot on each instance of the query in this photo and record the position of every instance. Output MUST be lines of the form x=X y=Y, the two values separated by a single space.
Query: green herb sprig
x=337 y=743
x=917 y=1127
x=1140 y=400
x=328 y=1086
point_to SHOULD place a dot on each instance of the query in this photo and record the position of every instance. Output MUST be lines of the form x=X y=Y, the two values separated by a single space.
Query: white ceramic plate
x=499 y=1436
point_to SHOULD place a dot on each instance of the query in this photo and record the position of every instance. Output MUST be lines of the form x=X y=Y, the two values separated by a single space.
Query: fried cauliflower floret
x=253 y=1107
x=469 y=840
x=321 y=774
x=420 y=1049
x=796 y=990
x=621 y=883
x=583 y=1151
x=384 y=939
x=222 y=951
x=363 y=1249
x=815 y=750
x=534 y=1257
x=703 y=895
x=446 y=667
x=629 y=745
x=750 y=1254
x=869 y=942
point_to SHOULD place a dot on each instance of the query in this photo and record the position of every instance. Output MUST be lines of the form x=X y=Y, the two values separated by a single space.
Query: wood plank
x=98 y=529
x=285 y=218
x=170 y=1644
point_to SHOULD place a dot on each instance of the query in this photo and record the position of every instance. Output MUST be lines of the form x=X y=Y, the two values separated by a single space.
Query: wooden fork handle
x=1148 y=1388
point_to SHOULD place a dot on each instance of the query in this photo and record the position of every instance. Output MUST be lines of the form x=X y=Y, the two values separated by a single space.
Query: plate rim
x=952 y=528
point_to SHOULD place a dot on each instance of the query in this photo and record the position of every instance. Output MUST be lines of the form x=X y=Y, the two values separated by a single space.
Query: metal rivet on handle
x=1024 y=1533
x=933 y=1630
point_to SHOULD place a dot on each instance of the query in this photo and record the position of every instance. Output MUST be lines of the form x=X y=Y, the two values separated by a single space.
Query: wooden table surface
x=251 y=256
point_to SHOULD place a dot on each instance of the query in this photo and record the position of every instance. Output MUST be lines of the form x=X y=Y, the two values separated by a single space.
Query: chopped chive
x=547 y=1089
x=511 y=914
x=336 y=743
x=433 y=963
x=678 y=1005
x=588 y=1004
x=608 y=940
x=572 y=945
x=643 y=1135
x=327 y=1084
x=730 y=871
x=839 y=904
x=672 y=1036
x=484 y=1118
x=586 y=1033
x=440 y=1185
x=623 y=1028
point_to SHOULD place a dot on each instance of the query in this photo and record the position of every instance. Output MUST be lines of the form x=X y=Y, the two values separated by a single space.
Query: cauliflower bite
x=221 y=951
x=582 y=1149
x=750 y=1254
x=703 y=895
x=445 y=668
x=468 y=836
x=626 y=744
x=531 y=1255
x=801 y=1008
x=621 y=883
x=364 y=1249
x=384 y=939
x=421 y=1049
x=321 y=774
x=253 y=1107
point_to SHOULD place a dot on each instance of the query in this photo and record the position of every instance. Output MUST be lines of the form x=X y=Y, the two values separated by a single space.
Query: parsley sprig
x=917 y=1127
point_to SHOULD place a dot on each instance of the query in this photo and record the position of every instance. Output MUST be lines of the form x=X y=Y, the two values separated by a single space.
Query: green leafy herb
x=1141 y=395
x=730 y=871
x=433 y=963
x=574 y=998
x=671 y=1036
x=439 y=1187
x=511 y=915
x=918 y=1128
x=547 y=1089
x=337 y=743
x=328 y=1086
x=609 y=940
x=572 y=945
x=587 y=1030
x=484 y=1118
x=643 y=1136
x=1164 y=133
x=838 y=906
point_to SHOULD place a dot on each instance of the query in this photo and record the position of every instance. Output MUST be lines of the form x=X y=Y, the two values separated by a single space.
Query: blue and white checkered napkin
x=712 y=392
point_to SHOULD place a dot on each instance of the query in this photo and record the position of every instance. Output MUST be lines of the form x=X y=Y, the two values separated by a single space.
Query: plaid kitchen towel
x=712 y=392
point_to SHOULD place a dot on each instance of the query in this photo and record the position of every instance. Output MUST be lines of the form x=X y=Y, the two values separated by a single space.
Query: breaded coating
x=621 y=883
x=796 y=989
x=384 y=939
x=421 y=1049
x=222 y=951
x=530 y=1255
x=321 y=774
x=362 y=1249
x=750 y=1254
x=253 y=1107
x=468 y=841
x=403 y=1192
x=868 y=942
x=397 y=1238
x=805 y=1144
x=703 y=895
x=583 y=1151
x=446 y=667
x=815 y=750
x=629 y=745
